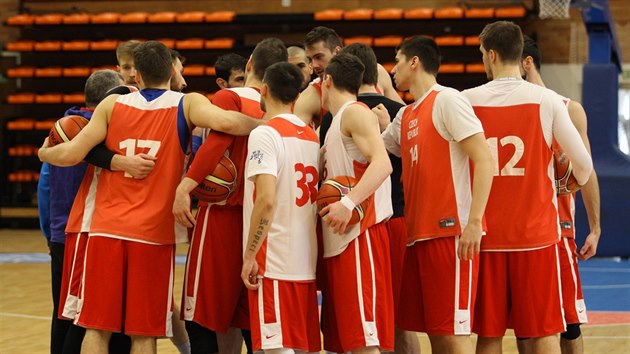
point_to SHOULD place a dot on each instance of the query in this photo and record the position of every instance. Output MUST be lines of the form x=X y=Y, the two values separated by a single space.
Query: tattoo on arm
x=259 y=234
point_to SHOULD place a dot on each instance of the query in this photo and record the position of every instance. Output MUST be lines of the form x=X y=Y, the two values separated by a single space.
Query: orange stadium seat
x=21 y=20
x=75 y=45
x=21 y=124
x=44 y=124
x=190 y=17
x=74 y=98
x=485 y=12
x=162 y=17
x=388 y=14
x=472 y=40
x=451 y=68
x=20 y=46
x=220 y=16
x=76 y=19
x=190 y=43
x=211 y=71
x=328 y=15
x=21 y=98
x=389 y=66
x=79 y=71
x=48 y=98
x=104 y=67
x=47 y=46
x=219 y=43
x=476 y=68
x=168 y=42
x=194 y=70
x=446 y=41
x=22 y=71
x=48 y=72
x=358 y=14
x=134 y=17
x=105 y=18
x=107 y=44
x=387 y=41
x=510 y=12
x=48 y=19
x=367 y=40
x=421 y=13
x=449 y=12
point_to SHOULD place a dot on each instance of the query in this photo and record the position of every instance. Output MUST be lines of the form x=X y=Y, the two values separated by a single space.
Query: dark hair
x=530 y=49
x=154 y=63
x=425 y=49
x=328 y=35
x=368 y=58
x=284 y=81
x=346 y=71
x=505 y=38
x=177 y=55
x=267 y=52
x=98 y=84
x=228 y=62
x=125 y=49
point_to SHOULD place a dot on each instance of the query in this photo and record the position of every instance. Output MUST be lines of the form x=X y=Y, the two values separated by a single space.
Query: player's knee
x=573 y=332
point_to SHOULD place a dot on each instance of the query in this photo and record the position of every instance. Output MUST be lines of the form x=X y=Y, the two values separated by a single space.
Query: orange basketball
x=565 y=181
x=334 y=189
x=218 y=185
x=65 y=129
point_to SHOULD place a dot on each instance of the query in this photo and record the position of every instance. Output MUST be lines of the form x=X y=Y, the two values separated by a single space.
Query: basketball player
x=139 y=230
x=356 y=257
x=321 y=44
x=230 y=70
x=518 y=277
x=437 y=138
x=126 y=67
x=280 y=244
x=215 y=299
x=297 y=57
x=406 y=342
x=178 y=83
x=572 y=298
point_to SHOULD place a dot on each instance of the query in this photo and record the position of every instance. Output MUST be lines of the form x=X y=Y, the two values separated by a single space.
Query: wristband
x=347 y=202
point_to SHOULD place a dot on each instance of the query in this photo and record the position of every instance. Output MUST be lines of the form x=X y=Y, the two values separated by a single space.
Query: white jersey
x=343 y=158
x=288 y=149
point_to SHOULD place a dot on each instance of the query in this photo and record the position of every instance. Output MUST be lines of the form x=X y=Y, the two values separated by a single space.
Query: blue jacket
x=63 y=183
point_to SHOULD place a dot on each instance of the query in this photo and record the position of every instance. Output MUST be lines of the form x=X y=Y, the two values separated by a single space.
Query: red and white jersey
x=289 y=150
x=343 y=158
x=436 y=170
x=518 y=118
x=140 y=210
x=80 y=217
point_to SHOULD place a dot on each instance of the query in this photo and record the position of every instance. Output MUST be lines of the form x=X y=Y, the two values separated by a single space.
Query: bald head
x=297 y=57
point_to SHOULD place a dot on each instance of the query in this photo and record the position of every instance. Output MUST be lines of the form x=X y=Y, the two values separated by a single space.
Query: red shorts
x=285 y=315
x=520 y=290
x=127 y=284
x=73 y=260
x=397 y=231
x=572 y=297
x=359 y=299
x=214 y=294
x=438 y=296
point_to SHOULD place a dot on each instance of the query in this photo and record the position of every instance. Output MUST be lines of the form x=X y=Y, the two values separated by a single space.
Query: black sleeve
x=100 y=156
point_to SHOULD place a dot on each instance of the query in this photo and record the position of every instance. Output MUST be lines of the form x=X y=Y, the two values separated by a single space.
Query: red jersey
x=80 y=217
x=241 y=99
x=141 y=210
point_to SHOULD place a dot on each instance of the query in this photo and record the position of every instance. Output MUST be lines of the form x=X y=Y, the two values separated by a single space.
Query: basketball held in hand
x=65 y=129
x=218 y=185
x=565 y=180
x=334 y=189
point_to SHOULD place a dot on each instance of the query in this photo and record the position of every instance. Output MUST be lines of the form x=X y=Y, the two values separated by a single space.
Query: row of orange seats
x=46 y=98
x=23 y=176
x=30 y=124
x=394 y=41
x=450 y=68
x=85 y=71
x=116 y=17
x=23 y=150
x=111 y=44
x=455 y=12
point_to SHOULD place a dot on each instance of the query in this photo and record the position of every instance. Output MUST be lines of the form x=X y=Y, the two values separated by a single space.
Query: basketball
x=218 y=185
x=65 y=129
x=334 y=189
x=565 y=181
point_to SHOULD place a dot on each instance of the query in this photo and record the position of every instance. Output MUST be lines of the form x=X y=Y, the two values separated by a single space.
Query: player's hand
x=336 y=216
x=46 y=143
x=590 y=246
x=138 y=166
x=181 y=208
x=383 y=116
x=470 y=241
x=249 y=273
